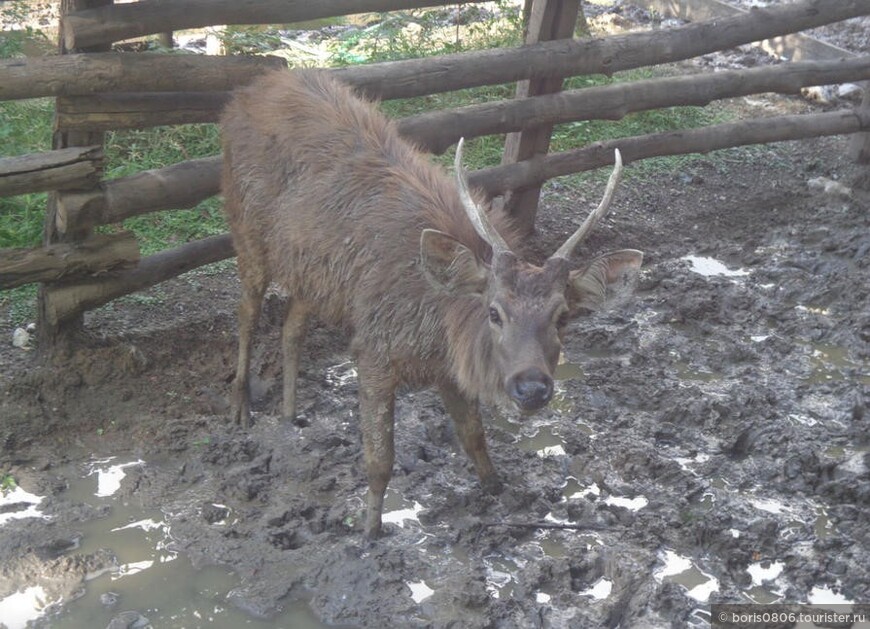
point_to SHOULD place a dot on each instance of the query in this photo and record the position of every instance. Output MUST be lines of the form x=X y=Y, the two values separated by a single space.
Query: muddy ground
x=709 y=443
x=719 y=418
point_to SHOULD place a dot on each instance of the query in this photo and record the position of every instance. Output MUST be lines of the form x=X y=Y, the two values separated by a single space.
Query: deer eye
x=494 y=317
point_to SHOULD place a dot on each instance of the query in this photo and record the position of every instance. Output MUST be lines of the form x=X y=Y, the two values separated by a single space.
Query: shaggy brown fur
x=361 y=230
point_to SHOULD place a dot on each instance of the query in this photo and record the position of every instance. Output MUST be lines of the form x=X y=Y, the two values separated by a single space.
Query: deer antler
x=475 y=213
x=568 y=247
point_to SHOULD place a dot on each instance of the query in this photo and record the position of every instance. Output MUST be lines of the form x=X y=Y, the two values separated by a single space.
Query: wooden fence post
x=859 y=147
x=546 y=20
x=55 y=334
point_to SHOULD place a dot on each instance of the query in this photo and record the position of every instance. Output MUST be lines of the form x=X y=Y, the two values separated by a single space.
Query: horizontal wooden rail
x=175 y=187
x=71 y=168
x=98 y=254
x=139 y=110
x=498 y=179
x=187 y=183
x=113 y=23
x=77 y=75
x=569 y=57
x=438 y=130
x=68 y=299
x=98 y=72
x=62 y=301
x=794 y=46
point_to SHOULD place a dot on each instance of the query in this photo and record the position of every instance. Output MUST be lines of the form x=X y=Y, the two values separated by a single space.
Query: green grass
x=7 y=483
x=129 y=152
x=25 y=127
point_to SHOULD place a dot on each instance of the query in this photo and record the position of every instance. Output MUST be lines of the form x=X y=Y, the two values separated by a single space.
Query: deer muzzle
x=530 y=389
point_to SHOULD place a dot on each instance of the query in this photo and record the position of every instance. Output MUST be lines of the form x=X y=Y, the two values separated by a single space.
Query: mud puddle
x=146 y=582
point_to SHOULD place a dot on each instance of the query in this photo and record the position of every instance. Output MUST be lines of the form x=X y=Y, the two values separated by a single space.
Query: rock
x=830 y=187
x=21 y=338
x=128 y=620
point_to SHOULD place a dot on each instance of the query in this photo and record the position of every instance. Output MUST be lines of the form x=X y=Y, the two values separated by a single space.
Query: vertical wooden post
x=54 y=335
x=165 y=40
x=546 y=20
x=859 y=146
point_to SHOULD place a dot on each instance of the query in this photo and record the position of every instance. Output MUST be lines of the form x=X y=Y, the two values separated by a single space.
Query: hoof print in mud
x=492 y=485
x=213 y=513
x=286 y=540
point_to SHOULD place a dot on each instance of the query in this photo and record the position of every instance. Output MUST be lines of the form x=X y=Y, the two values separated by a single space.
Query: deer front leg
x=377 y=403
x=466 y=418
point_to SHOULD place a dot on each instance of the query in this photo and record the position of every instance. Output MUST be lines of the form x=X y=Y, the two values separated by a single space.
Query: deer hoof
x=373 y=529
x=492 y=484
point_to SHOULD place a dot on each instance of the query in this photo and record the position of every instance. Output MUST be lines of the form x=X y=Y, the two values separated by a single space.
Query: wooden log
x=179 y=186
x=75 y=167
x=86 y=74
x=80 y=209
x=51 y=338
x=139 y=110
x=147 y=17
x=794 y=46
x=98 y=254
x=548 y=20
x=496 y=180
x=403 y=79
x=68 y=300
x=438 y=130
x=73 y=75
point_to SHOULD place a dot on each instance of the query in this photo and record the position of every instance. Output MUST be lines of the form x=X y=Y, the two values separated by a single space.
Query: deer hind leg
x=254 y=283
x=377 y=404
x=291 y=337
x=466 y=418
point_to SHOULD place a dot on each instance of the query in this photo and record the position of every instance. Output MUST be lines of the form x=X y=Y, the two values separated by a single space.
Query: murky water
x=699 y=585
x=158 y=583
x=832 y=362
x=710 y=267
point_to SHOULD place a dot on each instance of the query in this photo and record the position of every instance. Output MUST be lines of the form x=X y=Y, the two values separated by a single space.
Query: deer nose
x=531 y=389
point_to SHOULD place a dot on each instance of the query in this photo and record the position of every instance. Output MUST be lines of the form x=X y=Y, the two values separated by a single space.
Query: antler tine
x=568 y=247
x=475 y=213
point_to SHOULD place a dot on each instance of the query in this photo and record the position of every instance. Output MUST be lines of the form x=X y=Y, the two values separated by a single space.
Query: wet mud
x=708 y=441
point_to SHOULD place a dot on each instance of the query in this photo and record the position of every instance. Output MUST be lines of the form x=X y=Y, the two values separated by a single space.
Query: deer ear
x=449 y=265
x=608 y=278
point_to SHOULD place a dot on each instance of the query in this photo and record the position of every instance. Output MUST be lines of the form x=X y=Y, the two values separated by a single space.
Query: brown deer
x=362 y=230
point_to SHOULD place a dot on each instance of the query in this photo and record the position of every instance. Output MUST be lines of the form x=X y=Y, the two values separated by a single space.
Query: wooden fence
x=97 y=90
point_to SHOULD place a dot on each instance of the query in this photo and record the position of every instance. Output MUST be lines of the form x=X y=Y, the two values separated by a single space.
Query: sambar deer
x=362 y=230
